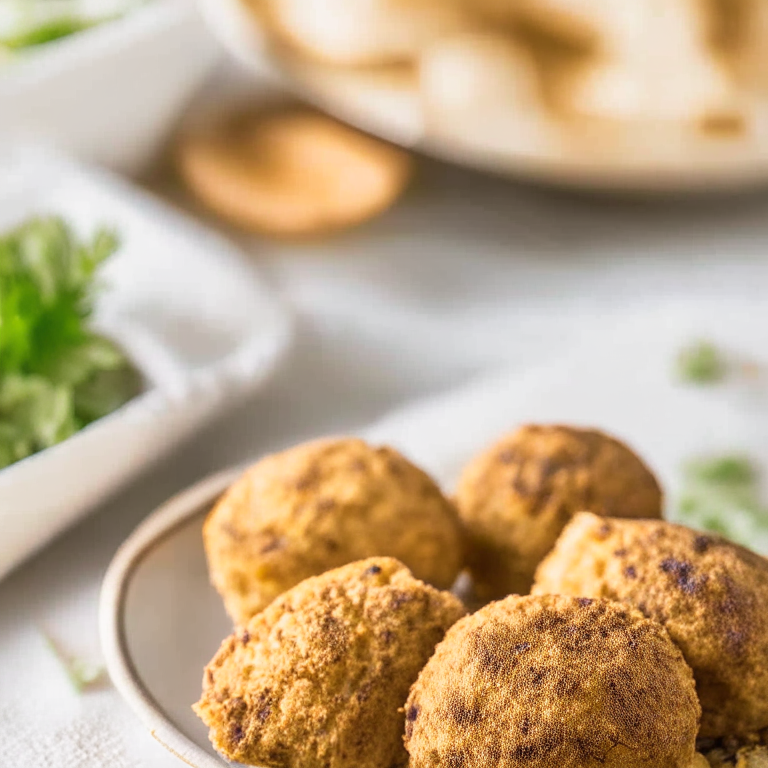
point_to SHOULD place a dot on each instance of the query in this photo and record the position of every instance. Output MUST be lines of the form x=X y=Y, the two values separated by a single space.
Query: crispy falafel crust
x=319 y=678
x=710 y=594
x=515 y=498
x=318 y=506
x=539 y=682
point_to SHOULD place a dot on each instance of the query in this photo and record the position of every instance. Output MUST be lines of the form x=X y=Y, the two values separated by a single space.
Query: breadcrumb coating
x=710 y=594
x=318 y=506
x=515 y=498
x=319 y=678
x=537 y=682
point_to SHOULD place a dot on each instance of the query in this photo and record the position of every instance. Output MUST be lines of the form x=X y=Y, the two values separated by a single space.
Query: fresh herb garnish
x=81 y=674
x=701 y=363
x=46 y=32
x=30 y=24
x=730 y=471
x=56 y=374
x=722 y=494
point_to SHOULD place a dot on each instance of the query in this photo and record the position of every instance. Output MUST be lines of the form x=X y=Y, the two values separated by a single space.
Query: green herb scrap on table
x=723 y=494
x=701 y=363
x=81 y=674
x=56 y=374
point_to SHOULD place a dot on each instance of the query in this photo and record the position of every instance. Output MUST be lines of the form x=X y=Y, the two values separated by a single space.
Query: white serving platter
x=189 y=309
x=654 y=158
x=161 y=622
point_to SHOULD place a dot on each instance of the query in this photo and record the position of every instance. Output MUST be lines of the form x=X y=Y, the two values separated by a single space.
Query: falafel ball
x=710 y=594
x=536 y=682
x=318 y=506
x=516 y=497
x=319 y=678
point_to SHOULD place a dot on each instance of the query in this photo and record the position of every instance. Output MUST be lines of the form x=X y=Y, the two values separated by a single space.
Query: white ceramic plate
x=155 y=658
x=161 y=621
x=112 y=94
x=190 y=311
x=652 y=158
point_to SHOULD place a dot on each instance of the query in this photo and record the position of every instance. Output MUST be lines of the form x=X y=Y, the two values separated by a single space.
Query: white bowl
x=110 y=95
x=191 y=313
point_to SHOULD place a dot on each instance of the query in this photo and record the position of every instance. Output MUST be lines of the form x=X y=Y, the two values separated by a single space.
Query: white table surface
x=465 y=274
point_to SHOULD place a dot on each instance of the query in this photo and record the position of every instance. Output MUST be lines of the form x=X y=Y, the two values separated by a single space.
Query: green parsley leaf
x=81 y=674
x=30 y=24
x=104 y=391
x=722 y=494
x=56 y=374
x=722 y=470
x=701 y=363
x=46 y=32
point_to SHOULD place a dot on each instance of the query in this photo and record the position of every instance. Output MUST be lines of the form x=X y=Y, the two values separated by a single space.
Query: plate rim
x=159 y=525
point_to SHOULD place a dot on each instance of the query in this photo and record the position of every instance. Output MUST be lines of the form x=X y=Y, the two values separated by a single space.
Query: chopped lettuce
x=56 y=374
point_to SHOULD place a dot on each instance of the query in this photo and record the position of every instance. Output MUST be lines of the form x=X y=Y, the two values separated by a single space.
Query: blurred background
x=568 y=157
x=323 y=210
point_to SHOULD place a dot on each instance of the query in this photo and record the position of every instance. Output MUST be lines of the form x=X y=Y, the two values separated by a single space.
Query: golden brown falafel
x=537 y=682
x=710 y=594
x=320 y=505
x=319 y=678
x=516 y=497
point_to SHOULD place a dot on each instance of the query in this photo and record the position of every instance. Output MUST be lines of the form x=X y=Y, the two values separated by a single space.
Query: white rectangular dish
x=110 y=95
x=192 y=315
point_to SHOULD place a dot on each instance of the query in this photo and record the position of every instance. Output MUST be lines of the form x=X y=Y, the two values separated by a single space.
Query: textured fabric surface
x=467 y=274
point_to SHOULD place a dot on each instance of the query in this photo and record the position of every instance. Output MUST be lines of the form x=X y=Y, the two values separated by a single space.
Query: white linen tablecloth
x=465 y=275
